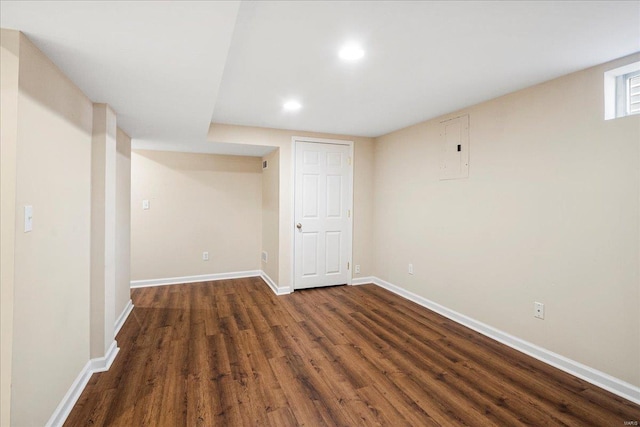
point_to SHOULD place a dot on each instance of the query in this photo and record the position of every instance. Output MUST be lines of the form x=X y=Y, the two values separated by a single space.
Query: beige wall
x=363 y=149
x=51 y=292
x=198 y=202
x=363 y=164
x=550 y=213
x=9 y=67
x=47 y=130
x=271 y=214
x=123 y=221
x=103 y=228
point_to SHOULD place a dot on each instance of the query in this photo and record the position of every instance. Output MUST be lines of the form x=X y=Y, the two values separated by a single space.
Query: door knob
x=299 y=226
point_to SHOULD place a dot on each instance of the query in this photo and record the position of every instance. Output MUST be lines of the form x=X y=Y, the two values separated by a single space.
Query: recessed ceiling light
x=351 y=52
x=292 y=105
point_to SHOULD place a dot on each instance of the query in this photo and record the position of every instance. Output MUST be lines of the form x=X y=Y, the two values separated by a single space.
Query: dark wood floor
x=231 y=353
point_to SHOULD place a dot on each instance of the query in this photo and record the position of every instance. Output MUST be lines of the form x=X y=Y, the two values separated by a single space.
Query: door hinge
x=349 y=160
x=348 y=213
x=347 y=265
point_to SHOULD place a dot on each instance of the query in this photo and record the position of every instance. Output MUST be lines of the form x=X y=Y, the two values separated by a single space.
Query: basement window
x=622 y=91
x=633 y=93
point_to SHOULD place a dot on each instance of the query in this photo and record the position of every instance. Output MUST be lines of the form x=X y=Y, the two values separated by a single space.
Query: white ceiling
x=169 y=68
x=422 y=60
x=158 y=64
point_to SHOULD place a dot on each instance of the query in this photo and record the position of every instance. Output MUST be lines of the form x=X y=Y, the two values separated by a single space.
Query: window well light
x=351 y=52
x=292 y=105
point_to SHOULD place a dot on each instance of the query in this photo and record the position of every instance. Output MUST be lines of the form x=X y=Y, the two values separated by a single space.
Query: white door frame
x=350 y=144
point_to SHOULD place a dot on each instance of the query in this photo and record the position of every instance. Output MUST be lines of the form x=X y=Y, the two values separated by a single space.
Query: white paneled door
x=323 y=199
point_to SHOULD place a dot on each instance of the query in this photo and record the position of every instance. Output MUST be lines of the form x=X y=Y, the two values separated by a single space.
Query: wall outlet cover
x=538 y=310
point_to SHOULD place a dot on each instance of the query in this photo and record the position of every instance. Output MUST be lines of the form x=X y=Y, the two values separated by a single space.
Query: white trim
x=363 y=280
x=292 y=199
x=194 y=279
x=278 y=290
x=322 y=140
x=123 y=317
x=102 y=364
x=610 y=95
x=591 y=375
x=351 y=145
x=65 y=406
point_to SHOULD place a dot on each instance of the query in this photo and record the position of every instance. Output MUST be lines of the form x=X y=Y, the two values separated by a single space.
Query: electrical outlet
x=538 y=310
x=205 y=256
x=357 y=268
x=265 y=256
x=410 y=268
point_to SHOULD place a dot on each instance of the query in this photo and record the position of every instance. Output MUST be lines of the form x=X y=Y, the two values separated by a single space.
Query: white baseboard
x=123 y=317
x=362 y=280
x=591 y=375
x=194 y=279
x=278 y=290
x=65 y=406
x=102 y=364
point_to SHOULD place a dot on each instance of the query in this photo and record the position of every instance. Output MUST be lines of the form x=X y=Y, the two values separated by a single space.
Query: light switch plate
x=28 y=218
x=145 y=204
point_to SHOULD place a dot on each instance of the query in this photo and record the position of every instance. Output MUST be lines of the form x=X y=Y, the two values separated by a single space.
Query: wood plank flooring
x=230 y=353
